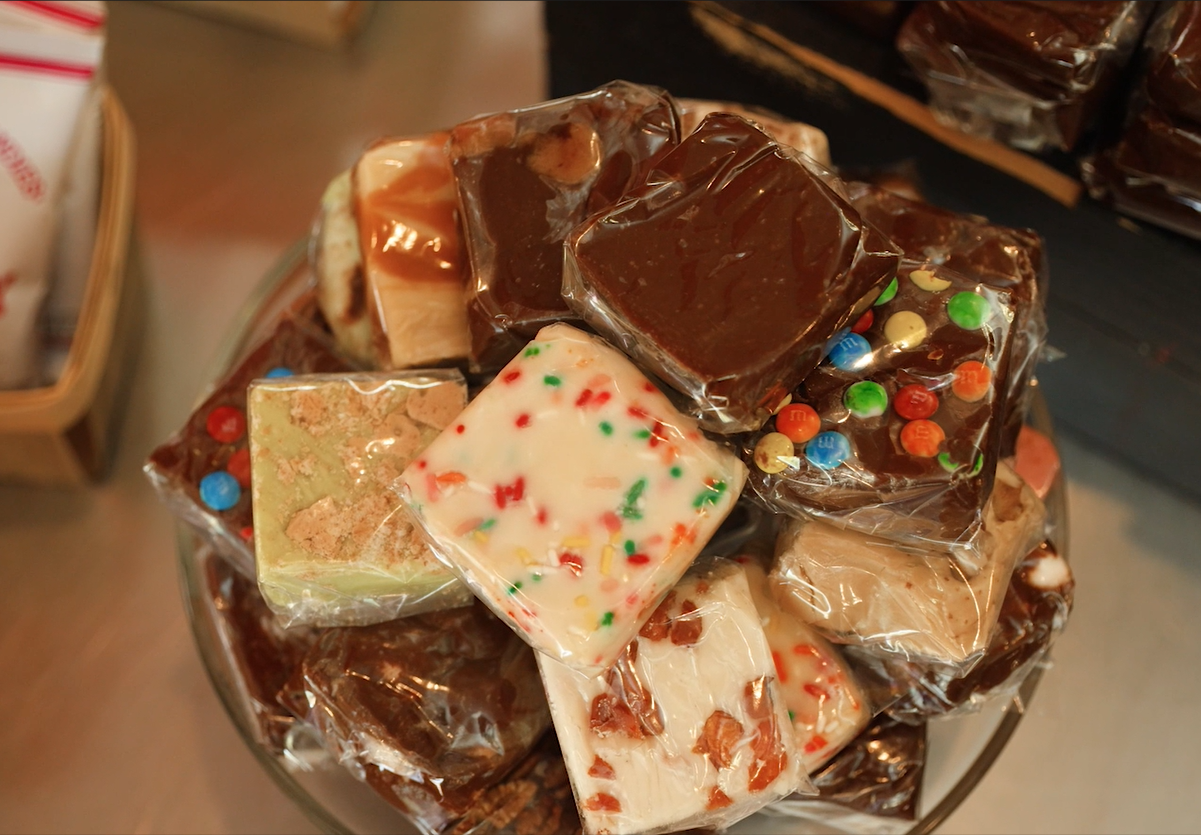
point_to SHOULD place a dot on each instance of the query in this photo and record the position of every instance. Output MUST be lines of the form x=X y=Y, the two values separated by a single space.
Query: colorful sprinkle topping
x=629 y=506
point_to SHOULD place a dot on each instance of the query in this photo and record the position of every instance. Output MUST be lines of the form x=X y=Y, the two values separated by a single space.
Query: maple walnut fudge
x=331 y=547
x=689 y=728
x=571 y=495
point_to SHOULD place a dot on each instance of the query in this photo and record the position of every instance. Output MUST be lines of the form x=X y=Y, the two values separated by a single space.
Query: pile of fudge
x=622 y=469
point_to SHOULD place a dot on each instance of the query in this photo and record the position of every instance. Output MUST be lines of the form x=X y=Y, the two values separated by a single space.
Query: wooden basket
x=63 y=434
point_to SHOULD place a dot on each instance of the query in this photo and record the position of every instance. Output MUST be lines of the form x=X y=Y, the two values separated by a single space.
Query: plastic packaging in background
x=799 y=136
x=919 y=606
x=898 y=432
x=47 y=72
x=1033 y=75
x=825 y=703
x=526 y=178
x=414 y=257
x=1153 y=172
x=332 y=547
x=202 y=472
x=689 y=728
x=701 y=275
x=570 y=495
x=874 y=785
x=1005 y=259
x=430 y=710
x=337 y=262
x=1034 y=612
x=264 y=653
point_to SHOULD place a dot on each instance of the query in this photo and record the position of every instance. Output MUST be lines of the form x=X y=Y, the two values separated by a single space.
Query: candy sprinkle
x=606 y=619
x=552 y=380
x=629 y=508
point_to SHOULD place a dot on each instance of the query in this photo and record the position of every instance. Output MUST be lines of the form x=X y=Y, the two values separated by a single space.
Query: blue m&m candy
x=827 y=450
x=220 y=490
x=850 y=352
x=278 y=371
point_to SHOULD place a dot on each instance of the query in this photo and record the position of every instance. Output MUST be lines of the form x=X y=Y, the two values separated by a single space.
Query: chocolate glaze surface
x=1173 y=77
x=879 y=772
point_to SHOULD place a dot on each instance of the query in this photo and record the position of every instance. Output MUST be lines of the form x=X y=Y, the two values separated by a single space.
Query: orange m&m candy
x=922 y=438
x=799 y=422
x=972 y=381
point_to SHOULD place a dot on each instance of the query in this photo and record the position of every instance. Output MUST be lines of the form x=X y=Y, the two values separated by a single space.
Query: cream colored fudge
x=810 y=141
x=689 y=729
x=331 y=545
x=338 y=262
x=571 y=496
x=863 y=590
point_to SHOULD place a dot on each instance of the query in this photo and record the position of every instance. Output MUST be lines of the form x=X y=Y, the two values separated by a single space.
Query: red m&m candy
x=225 y=424
x=238 y=466
x=863 y=322
x=915 y=402
x=799 y=422
x=922 y=438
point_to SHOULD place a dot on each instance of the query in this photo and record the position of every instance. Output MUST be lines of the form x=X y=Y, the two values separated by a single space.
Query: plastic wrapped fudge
x=865 y=591
x=526 y=178
x=430 y=710
x=264 y=653
x=689 y=728
x=203 y=471
x=898 y=432
x=728 y=217
x=571 y=496
x=807 y=139
x=1153 y=172
x=825 y=703
x=331 y=545
x=1031 y=74
x=337 y=262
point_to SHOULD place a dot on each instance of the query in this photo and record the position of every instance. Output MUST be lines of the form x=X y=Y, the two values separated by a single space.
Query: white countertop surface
x=107 y=720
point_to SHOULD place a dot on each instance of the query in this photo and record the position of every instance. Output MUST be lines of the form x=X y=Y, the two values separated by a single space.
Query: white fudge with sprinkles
x=689 y=728
x=571 y=495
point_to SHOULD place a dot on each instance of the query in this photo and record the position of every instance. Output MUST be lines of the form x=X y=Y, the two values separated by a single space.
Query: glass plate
x=960 y=749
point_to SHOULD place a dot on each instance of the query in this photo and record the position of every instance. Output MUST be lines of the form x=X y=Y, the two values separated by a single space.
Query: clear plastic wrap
x=264 y=653
x=1153 y=172
x=799 y=136
x=332 y=547
x=727 y=271
x=864 y=591
x=414 y=257
x=874 y=785
x=689 y=728
x=898 y=432
x=337 y=262
x=526 y=178
x=571 y=496
x=1033 y=75
x=202 y=473
x=1034 y=612
x=825 y=703
x=430 y=710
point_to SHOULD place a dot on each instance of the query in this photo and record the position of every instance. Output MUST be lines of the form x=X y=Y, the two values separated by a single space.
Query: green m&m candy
x=969 y=310
x=889 y=292
x=866 y=399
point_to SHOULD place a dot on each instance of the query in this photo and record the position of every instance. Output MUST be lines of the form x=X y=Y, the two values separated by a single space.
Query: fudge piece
x=898 y=432
x=727 y=271
x=430 y=710
x=338 y=264
x=413 y=252
x=863 y=590
x=571 y=495
x=203 y=471
x=689 y=728
x=807 y=139
x=824 y=702
x=1033 y=74
x=525 y=179
x=1172 y=79
x=1000 y=257
x=262 y=653
x=331 y=548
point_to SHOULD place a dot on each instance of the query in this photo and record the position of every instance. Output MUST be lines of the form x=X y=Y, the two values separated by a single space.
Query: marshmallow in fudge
x=571 y=496
x=331 y=547
x=689 y=728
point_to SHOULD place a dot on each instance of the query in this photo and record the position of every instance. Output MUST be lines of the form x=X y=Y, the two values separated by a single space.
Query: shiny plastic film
x=570 y=495
x=689 y=729
x=806 y=139
x=430 y=710
x=337 y=262
x=921 y=606
x=1030 y=74
x=526 y=177
x=1153 y=171
x=332 y=547
x=719 y=220
x=202 y=473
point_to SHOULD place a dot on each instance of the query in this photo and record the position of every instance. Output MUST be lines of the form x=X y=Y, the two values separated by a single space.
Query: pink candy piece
x=1037 y=460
